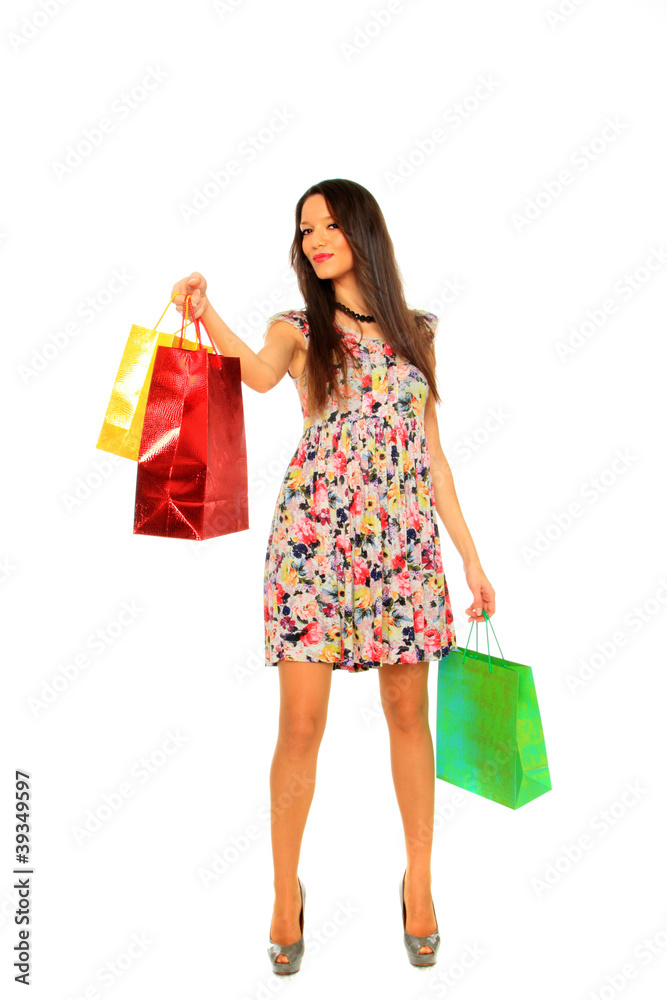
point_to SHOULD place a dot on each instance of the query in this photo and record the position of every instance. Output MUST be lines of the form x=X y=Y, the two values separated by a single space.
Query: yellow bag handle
x=168 y=304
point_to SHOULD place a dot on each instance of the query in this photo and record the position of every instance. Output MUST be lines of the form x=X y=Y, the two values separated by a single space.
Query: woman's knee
x=407 y=714
x=301 y=730
x=404 y=695
x=304 y=699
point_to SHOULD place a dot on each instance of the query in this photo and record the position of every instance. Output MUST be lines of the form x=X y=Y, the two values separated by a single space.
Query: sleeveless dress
x=353 y=569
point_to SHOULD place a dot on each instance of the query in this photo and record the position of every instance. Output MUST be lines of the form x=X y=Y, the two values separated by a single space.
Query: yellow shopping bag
x=124 y=419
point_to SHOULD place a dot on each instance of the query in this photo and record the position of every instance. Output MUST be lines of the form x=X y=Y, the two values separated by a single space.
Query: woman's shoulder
x=429 y=320
x=297 y=317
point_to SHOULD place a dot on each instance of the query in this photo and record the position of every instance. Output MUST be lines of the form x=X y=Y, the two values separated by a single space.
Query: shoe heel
x=413 y=943
x=294 y=952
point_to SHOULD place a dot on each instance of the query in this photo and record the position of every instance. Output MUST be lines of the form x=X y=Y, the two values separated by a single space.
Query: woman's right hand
x=195 y=286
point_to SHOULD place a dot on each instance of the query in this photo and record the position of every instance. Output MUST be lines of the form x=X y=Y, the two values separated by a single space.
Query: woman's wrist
x=208 y=308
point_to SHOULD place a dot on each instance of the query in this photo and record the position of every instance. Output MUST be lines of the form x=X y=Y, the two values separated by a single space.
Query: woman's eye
x=305 y=231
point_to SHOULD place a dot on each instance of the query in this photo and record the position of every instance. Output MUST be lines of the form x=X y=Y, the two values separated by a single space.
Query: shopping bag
x=192 y=476
x=489 y=737
x=123 y=421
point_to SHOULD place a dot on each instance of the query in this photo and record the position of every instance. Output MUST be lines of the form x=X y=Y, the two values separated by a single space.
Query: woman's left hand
x=484 y=596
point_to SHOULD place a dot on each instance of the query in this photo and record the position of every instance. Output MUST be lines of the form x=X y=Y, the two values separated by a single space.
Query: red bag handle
x=196 y=321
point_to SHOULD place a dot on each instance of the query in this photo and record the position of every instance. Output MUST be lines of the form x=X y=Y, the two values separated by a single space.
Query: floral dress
x=353 y=570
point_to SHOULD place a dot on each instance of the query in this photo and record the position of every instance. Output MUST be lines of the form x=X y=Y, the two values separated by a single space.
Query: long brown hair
x=357 y=213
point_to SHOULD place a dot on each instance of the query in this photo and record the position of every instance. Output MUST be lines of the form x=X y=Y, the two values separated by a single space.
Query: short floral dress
x=353 y=571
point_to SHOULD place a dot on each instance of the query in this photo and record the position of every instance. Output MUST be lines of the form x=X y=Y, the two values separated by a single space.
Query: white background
x=589 y=589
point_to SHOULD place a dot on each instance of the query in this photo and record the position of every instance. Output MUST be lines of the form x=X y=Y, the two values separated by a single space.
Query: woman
x=353 y=575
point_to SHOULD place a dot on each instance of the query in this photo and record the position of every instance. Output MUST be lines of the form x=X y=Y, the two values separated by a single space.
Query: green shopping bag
x=489 y=737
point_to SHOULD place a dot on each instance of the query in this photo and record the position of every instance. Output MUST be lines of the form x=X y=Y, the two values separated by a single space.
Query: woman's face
x=321 y=236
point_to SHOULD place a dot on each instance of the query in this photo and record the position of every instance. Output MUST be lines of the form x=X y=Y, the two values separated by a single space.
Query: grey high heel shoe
x=293 y=952
x=414 y=943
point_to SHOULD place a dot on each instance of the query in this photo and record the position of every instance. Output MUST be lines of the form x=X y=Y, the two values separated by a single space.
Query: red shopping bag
x=192 y=473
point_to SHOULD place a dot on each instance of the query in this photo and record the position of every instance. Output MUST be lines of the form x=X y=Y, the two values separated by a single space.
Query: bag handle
x=488 y=649
x=168 y=304
x=196 y=321
x=186 y=311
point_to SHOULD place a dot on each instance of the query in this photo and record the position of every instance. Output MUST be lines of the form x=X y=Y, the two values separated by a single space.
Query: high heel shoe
x=414 y=943
x=294 y=952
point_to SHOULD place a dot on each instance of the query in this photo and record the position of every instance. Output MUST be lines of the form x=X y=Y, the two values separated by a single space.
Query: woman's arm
x=263 y=369
x=260 y=370
x=449 y=511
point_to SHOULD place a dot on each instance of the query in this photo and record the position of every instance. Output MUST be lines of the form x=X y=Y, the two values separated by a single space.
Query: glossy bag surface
x=489 y=737
x=192 y=479
x=124 y=418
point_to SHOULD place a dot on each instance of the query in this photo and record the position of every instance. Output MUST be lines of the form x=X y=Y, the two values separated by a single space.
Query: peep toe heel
x=413 y=943
x=293 y=952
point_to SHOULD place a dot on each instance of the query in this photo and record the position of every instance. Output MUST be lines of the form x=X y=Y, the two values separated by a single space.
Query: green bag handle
x=488 y=649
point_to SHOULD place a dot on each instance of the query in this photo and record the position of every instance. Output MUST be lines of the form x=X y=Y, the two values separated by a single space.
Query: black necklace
x=358 y=316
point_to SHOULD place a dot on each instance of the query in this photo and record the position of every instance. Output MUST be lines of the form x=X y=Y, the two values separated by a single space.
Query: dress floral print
x=353 y=570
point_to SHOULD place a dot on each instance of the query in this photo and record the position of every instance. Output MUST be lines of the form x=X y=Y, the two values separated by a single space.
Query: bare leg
x=404 y=697
x=304 y=701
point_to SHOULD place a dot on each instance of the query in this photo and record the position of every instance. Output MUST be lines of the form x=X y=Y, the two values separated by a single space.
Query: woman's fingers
x=180 y=290
x=195 y=306
x=195 y=286
x=475 y=610
x=197 y=280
